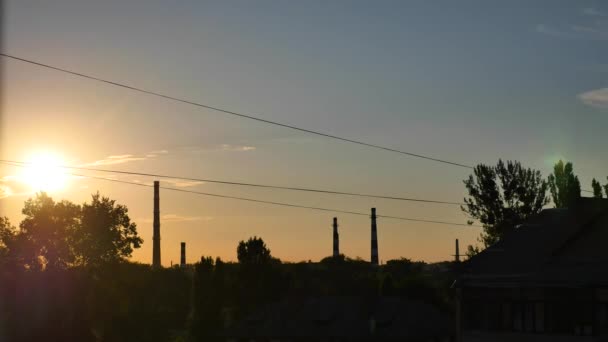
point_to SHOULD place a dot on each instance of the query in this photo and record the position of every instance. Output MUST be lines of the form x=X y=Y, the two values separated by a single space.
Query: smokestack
x=457 y=255
x=374 y=239
x=156 y=226
x=336 y=239
x=182 y=260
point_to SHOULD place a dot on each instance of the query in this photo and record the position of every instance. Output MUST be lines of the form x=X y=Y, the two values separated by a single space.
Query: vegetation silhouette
x=65 y=276
x=501 y=197
x=564 y=185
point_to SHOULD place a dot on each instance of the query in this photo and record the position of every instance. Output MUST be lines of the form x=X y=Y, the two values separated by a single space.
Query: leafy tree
x=7 y=238
x=46 y=232
x=105 y=233
x=254 y=252
x=472 y=251
x=503 y=196
x=564 y=184
x=606 y=188
x=597 y=189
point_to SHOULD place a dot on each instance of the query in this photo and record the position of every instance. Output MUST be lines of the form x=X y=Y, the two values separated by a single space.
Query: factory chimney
x=182 y=260
x=156 y=226
x=336 y=239
x=374 y=239
x=457 y=255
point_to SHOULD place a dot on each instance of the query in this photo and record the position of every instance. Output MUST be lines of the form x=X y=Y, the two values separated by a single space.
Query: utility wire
x=4 y=161
x=284 y=204
x=229 y=112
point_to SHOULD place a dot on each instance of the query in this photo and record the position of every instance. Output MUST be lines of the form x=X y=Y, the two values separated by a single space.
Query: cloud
x=596 y=31
x=112 y=160
x=593 y=12
x=5 y=191
x=595 y=98
x=11 y=186
x=177 y=218
x=126 y=158
x=183 y=183
x=236 y=148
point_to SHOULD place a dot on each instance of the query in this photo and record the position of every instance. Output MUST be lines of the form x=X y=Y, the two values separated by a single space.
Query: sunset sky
x=466 y=81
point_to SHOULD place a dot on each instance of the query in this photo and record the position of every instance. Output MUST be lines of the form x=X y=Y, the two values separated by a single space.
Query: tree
x=105 y=233
x=606 y=188
x=254 y=252
x=503 y=196
x=564 y=184
x=597 y=189
x=7 y=238
x=46 y=232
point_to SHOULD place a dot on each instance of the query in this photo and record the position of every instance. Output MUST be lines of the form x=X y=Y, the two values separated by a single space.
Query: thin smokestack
x=457 y=255
x=374 y=239
x=182 y=260
x=156 y=226
x=336 y=239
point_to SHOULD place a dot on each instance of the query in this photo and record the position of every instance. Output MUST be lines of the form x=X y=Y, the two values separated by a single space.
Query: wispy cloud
x=5 y=191
x=112 y=160
x=595 y=31
x=197 y=149
x=236 y=148
x=182 y=183
x=11 y=186
x=593 y=12
x=177 y=218
x=596 y=98
x=125 y=158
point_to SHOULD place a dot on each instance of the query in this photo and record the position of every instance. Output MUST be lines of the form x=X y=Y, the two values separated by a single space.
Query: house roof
x=557 y=247
x=348 y=317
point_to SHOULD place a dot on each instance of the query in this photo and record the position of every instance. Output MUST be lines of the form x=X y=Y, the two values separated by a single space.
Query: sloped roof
x=557 y=247
x=347 y=317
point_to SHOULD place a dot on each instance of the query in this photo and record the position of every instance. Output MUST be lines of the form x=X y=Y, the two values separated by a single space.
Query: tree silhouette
x=597 y=189
x=105 y=233
x=564 y=184
x=254 y=252
x=46 y=232
x=503 y=196
x=7 y=238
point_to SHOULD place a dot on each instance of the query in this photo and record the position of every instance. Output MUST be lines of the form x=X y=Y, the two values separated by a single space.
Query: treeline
x=65 y=276
x=228 y=292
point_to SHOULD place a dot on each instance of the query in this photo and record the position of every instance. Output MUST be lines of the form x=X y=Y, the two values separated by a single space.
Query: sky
x=466 y=81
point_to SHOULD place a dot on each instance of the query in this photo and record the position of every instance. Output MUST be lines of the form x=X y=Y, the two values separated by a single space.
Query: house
x=343 y=318
x=546 y=280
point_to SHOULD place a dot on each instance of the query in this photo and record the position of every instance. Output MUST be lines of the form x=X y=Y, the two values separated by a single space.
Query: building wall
x=571 y=312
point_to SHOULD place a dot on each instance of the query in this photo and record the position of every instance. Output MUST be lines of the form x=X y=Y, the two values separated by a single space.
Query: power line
x=332 y=192
x=229 y=112
x=284 y=204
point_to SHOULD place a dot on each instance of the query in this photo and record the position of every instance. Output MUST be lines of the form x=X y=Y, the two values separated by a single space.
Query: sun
x=43 y=172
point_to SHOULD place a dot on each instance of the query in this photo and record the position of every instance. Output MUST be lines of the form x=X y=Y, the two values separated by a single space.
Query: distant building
x=343 y=319
x=547 y=280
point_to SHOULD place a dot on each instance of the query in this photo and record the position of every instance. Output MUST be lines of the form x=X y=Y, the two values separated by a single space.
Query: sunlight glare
x=44 y=173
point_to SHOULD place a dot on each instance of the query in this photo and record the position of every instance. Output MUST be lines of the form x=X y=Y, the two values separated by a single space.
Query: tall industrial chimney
x=336 y=239
x=374 y=239
x=457 y=255
x=182 y=260
x=156 y=226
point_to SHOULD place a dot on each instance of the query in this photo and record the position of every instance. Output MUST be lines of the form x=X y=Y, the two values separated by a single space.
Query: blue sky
x=468 y=81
